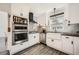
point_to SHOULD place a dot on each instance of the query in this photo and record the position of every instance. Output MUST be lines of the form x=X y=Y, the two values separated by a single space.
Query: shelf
x=57 y=14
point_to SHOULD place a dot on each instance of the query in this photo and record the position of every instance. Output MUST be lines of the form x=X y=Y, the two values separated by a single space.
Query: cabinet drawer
x=54 y=35
x=19 y=47
x=57 y=44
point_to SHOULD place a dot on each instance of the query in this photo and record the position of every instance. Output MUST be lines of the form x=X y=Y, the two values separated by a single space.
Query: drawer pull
x=21 y=44
x=34 y=36
x=71 y=42
x=67 y=37
x=52 y=40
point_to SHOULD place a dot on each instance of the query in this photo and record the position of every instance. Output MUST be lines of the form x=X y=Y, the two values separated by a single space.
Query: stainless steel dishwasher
x=43 y=37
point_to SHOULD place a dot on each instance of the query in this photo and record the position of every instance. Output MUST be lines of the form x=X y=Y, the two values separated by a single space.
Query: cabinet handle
x=71 y=42
x=52 y=40
x=67 y=37
x=68 y=22
x=5 y=40
x=21 y=43
x=65 y=19
x=21 y=14
x=34 y=36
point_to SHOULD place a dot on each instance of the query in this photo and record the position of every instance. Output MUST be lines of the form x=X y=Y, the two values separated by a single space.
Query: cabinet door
x=33 y=39
x=67 y=44
x=54 y=41
x=16 y=48
x=76 y=45
x=31 y=42
x=57 y=44
x=72 y=12
x=25 y=11
x=16 y=9
x=20 y=10
x=36 y=38
x=2 y=44
x=3 y=22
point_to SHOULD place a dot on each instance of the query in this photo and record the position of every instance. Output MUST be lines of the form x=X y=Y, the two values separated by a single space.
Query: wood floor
x=40 y=49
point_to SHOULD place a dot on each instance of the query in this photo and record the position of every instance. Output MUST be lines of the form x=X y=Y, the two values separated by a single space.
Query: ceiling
x=40 y=7
x=43 y=7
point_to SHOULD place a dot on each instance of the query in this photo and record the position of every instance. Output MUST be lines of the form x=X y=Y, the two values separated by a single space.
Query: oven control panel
x=19 y=20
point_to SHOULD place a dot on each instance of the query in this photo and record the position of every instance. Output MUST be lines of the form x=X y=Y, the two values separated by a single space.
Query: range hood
x=31 y=19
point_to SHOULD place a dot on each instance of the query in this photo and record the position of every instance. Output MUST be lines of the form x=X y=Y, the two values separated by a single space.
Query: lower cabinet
x=57 y=44
x=67 y=44
x=16 y=48
x=54 y=43
x=76 y=45
x=71 y=45
x=33 y=38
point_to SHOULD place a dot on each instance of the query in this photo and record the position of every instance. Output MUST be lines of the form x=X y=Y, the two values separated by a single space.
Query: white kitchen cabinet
x=57 y=44
x=25 y=11
x=16 y=48
x=67 y=44
x=72 y=12
x=20 y=10
x=3 y=44
x=76 y=45
x=16 y=9
x=33 y=38
x=54 y=35
x=3 y=22
x=53 y=41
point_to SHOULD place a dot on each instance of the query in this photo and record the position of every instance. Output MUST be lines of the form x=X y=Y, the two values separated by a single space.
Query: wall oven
x=19 y=37
x=20 y=30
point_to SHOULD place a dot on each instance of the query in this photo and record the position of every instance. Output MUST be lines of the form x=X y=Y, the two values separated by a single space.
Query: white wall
x=41 y=19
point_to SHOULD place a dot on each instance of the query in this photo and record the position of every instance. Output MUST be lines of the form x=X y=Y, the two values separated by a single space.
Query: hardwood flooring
x=40 y=49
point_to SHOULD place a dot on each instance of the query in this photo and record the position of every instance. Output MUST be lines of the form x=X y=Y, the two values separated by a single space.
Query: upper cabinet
x=20 y=10
x=71 y=12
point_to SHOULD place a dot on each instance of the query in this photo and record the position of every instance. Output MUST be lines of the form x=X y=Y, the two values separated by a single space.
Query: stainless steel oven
x=19 y=37
x=20 y=27
x=20 y=30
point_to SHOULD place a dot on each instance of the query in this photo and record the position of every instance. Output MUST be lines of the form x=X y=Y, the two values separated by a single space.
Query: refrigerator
x=3 y=32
